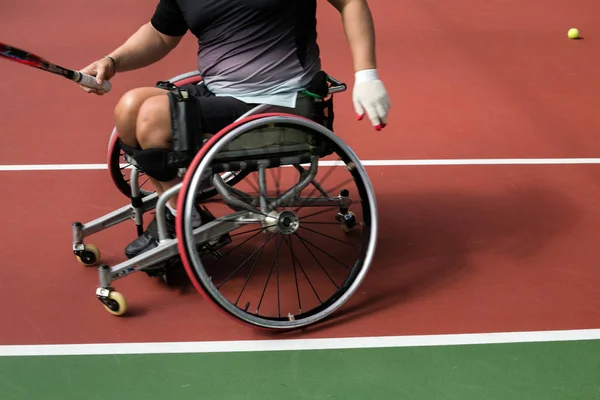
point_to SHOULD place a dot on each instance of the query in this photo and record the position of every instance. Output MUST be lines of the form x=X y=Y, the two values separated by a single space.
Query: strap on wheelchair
x=185 y=126
x=154 y=162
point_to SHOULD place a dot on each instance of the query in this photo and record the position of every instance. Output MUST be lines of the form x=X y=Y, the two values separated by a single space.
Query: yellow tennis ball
x=573 y=33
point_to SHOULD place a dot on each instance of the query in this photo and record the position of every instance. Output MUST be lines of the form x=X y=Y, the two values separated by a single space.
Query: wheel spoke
x=321 y=250
x=330 y=237
x=244 y=263
x=304 y=273
x=320 y=265
x=287 y=238
x=260 y=251
x=270 y=272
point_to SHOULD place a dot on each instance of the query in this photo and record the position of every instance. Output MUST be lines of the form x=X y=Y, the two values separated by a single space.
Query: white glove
x=370 y=96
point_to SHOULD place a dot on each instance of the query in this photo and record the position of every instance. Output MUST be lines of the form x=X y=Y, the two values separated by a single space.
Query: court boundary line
x=236 y=346
x=366 y=163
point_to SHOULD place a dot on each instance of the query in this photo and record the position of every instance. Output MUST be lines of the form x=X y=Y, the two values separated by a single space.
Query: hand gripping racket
x=32 y=60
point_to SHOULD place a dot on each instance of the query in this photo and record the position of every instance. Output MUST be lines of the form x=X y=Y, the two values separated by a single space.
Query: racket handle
x=90 y=81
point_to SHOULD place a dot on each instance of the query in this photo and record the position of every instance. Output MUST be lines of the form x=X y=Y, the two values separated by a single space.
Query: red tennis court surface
x=462 y=249
x=472 y=248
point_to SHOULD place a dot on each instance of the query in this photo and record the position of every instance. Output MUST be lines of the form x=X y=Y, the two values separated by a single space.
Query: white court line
x=367 y=163
x=300 y=344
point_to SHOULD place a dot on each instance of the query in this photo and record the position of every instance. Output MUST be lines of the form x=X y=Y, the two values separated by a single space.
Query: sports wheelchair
x=322 y=237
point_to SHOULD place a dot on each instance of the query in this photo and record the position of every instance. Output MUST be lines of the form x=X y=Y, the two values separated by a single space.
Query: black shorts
x=215 y=112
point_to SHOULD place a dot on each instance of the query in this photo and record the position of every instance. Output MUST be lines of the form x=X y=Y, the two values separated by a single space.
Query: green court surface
x=529 y=371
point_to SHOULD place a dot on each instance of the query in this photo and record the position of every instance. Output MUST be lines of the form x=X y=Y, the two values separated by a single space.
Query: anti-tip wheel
x=348 y=221
x=115 y=304
x=89 y=256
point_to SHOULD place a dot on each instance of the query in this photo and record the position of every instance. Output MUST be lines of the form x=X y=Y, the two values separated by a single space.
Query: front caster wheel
x=114 y=302
x=89 y=256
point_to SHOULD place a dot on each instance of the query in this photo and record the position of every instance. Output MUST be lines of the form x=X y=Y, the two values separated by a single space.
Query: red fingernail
x=359 y=117
x=378 y=127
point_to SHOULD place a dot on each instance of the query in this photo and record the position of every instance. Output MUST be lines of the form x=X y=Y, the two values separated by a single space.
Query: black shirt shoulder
x=168 y=18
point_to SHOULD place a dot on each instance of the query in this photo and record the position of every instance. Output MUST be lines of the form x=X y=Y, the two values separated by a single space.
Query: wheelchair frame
x=198 y=171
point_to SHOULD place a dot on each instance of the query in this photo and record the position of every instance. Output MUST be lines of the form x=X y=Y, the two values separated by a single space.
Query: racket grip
x=90 y=81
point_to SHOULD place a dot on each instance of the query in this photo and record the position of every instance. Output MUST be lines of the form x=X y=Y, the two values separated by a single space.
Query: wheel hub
x=287 y=222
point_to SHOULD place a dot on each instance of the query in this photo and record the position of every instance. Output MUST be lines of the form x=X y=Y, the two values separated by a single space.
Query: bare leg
x=127 y=109
x=127 y=115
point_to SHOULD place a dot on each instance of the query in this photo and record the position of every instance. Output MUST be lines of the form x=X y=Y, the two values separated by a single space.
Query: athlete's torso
x=254 y=47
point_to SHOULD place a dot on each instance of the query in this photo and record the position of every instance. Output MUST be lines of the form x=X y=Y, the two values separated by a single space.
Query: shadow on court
x=428 y=241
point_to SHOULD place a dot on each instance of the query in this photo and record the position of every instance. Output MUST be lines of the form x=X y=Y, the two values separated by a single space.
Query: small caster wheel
x=348 y=222
x=115 y=303
x=89 y=256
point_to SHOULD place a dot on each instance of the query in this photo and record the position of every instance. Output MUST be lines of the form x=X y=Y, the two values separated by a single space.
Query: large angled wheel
x=295 y=238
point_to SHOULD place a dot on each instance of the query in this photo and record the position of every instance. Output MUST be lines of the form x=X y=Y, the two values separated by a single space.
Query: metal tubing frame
x=81 y=231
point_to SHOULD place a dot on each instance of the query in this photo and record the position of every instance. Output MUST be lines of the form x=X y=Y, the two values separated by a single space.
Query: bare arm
x=359 y=30
x=369 y=95
x=143 y=48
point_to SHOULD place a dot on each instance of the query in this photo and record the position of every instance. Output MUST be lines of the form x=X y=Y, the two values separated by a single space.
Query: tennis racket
x=32 y=60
